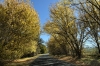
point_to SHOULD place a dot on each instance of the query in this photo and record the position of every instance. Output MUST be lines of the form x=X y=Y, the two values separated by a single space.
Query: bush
x=43 y=49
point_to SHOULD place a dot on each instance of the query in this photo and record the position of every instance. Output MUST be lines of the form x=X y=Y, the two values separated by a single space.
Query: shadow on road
x=46 y=60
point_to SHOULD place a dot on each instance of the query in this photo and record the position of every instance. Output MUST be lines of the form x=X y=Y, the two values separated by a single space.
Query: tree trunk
x=79 y=54
x=98 y=46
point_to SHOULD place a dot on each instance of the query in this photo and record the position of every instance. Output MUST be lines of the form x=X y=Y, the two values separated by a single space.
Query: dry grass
x=22 y=62
x=86 y=61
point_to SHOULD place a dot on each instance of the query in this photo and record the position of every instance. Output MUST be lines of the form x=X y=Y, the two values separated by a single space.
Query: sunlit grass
x=84 y=61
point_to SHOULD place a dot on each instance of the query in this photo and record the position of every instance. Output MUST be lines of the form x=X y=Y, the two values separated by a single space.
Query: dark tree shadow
x=46 y=60
x=2 y=63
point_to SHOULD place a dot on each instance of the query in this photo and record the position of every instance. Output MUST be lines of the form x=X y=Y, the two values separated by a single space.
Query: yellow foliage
x=19 y=27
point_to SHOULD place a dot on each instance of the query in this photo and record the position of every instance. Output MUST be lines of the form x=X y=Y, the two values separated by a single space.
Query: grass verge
x=85 y=61
x=22 y=62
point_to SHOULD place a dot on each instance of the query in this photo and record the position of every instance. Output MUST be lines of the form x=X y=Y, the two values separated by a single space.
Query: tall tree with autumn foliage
x=90 y=16
x=63 y=25
x=19 y=29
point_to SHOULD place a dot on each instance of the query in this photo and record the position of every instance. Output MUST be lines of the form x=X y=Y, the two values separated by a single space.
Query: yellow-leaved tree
x=90 y=16
x=19 y=29
x=65 y=30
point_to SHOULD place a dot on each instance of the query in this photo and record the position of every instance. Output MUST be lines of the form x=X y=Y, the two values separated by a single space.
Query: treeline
x=19 y=30
x=70 y=31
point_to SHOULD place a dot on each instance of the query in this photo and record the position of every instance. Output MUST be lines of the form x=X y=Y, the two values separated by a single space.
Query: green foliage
x=43 y=49
x=19 y=29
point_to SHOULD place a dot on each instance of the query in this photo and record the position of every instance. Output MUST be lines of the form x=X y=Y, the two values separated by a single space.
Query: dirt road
x=46 y=60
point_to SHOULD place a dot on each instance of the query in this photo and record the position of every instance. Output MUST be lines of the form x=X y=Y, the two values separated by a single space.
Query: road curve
x=47 y=60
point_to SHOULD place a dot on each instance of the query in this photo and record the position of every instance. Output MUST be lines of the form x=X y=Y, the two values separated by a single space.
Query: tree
x=43 y=49
x=19 y=29
x=63 y=24
x=90 y=16
x=57 y=46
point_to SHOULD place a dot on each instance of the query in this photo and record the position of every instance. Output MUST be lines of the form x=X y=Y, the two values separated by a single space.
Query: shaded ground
x=20 y=62
x=46 y=60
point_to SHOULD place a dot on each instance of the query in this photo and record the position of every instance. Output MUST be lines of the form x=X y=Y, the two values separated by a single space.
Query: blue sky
x=42 y=7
